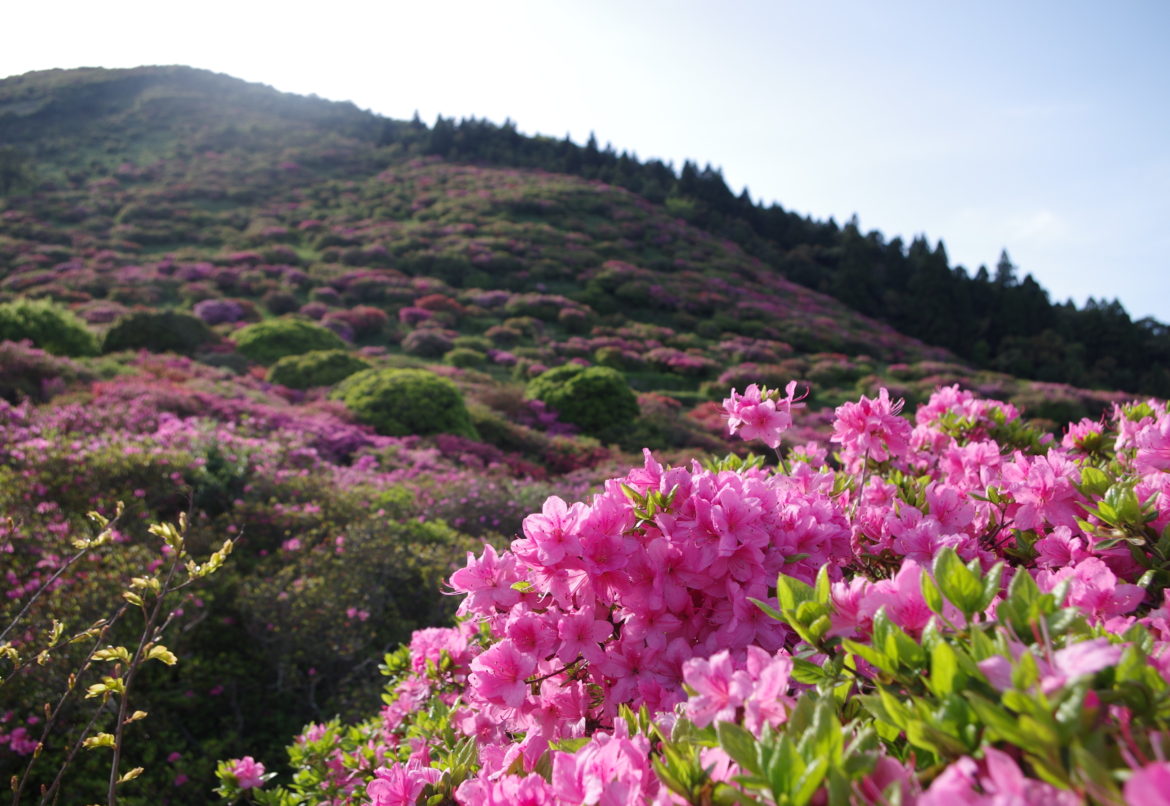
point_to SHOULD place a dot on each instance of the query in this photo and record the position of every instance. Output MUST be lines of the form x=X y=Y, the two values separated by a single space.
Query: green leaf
x=872 y=656
x=957 y=582
x=738 y=743
x=992 y=585
x=784 y=767
x=944 y=667
x=931 y=594
x=998 y=722
x=823 y=589
x=1025 y=672
x=809 y=782
x=1094 y=483
x=808 y=673
x=791 y=592
x=771 y=611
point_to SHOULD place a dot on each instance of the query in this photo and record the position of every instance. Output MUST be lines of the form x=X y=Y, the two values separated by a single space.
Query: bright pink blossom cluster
x=760 y=413
x=248 y=771
x=643 y=596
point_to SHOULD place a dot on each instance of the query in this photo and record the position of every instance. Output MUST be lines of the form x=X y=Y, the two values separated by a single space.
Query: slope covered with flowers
x=957 y=609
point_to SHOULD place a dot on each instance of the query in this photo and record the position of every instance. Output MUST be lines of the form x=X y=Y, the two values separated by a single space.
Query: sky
x=1041 y=127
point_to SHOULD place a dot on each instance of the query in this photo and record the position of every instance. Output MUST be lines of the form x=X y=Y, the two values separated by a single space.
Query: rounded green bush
x=595 y=399
x=400 y=402
x=269 y=341
x=465 y=357
x=47 y=325
x=159 y=332
x=316 y=368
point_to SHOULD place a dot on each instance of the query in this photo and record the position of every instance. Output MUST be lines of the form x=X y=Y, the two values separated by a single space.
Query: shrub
x=363 y=320
x=269 y=341
x=429 y=342
x=316 y=368
x=465 y=357
x=474 y=343
x=48 y=326
x=28 y=372
x=279 y=302
x=159 y=332
x=596 y=399
x=218 y=311
x=399 y=402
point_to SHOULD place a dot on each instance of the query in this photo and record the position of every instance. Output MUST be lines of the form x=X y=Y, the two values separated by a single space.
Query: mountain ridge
x=1003 y=323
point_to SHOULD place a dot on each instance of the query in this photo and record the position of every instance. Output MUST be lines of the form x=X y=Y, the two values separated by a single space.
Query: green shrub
x=269 y=341
x=465 y=357
x=159 y=332
x=473 y=343
x=316 y=368
x=48 y=326
x=598 y=400
x=399 y=402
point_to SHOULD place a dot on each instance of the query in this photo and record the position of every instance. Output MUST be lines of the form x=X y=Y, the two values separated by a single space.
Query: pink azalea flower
x=1000 y=783
x=400 y=784
x=719 y=689
x=552 y=531
x=487 y=581
x=1042 y=487
x=902 y=599
x=760 y=414
x=498 y=674
x=1149 y=786
x=871 y=428
x=249 y=772
x=769 y=700
x=1094 y=589
x=1078 y=660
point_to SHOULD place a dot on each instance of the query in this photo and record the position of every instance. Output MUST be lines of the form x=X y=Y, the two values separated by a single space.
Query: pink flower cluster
x=642 y=597
x=248 y=771
x=761 y=413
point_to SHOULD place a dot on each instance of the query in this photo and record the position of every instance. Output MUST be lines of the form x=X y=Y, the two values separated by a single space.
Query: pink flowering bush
x=965 y=611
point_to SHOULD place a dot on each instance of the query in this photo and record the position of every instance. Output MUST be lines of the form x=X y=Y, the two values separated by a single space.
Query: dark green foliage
x=48 y=326
x=392 y=569
x=595 y=399
x=400 y=402
x=269 y=341
x=316 y=368
x=159 y=332
x=428 y=342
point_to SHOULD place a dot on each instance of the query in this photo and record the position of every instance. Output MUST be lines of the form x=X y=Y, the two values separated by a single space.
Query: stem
x=56 y=575
x=51 y=722
x=28 y=605
x=148 y=632
x=69 y=759
x=783 y=464
x=532 y=680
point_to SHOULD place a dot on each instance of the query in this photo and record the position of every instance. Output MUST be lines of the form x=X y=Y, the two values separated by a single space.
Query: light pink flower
x=400 y=784
x=248 y=771
x=1149 y=786
x=499 y=673
x=871 y=428
x=760 y=414
x=719 y=688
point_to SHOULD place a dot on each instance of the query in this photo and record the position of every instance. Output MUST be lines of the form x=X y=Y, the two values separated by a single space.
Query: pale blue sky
x=1042 y=127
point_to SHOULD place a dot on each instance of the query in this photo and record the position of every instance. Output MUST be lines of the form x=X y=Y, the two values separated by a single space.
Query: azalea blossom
x=249 y=772
x=761 y=414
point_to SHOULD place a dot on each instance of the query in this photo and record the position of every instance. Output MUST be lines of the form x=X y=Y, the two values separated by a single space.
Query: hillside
x=71 y=127
x=162 y=220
